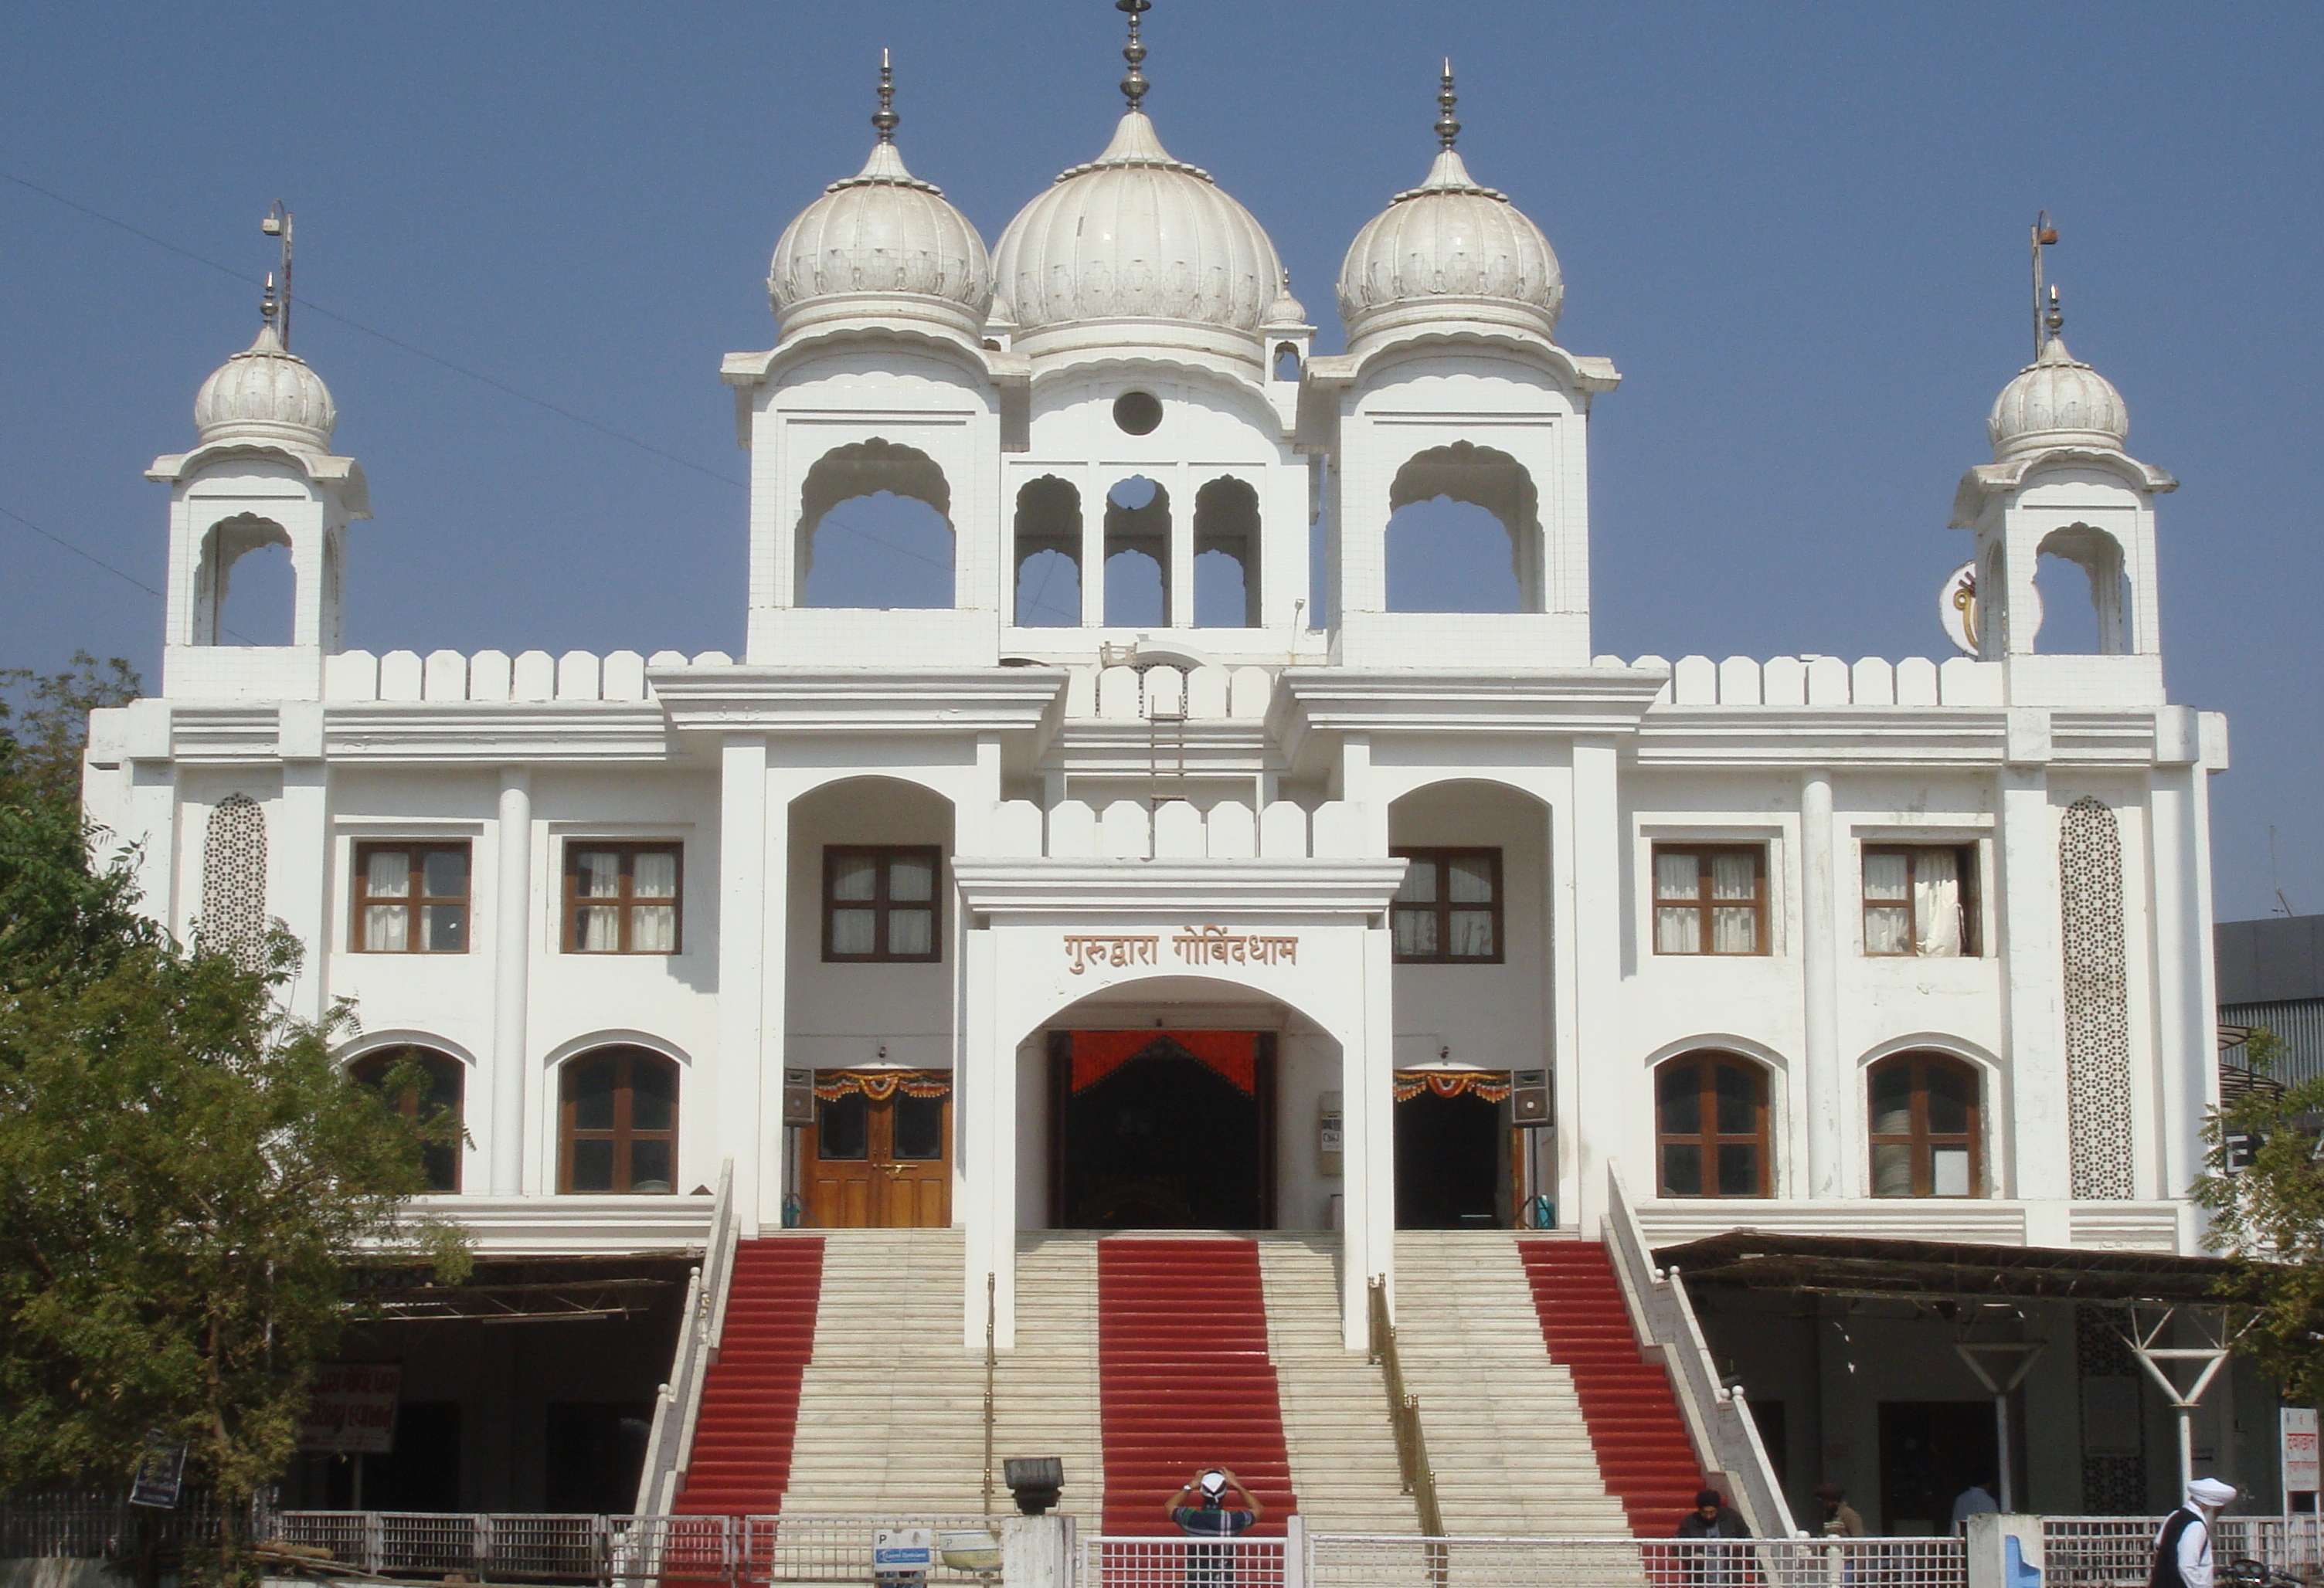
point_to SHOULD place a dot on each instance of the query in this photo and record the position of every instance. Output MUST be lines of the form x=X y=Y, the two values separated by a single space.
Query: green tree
x=188 y=1180
x=2266 y=1194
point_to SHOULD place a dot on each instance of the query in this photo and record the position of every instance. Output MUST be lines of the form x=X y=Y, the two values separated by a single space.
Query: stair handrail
x=1718 y=1420
x=1418 y=1477
x=702 y=1324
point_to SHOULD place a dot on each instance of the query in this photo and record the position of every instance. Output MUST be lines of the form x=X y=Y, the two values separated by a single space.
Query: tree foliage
x=2266 y=1194
x=187 y=1178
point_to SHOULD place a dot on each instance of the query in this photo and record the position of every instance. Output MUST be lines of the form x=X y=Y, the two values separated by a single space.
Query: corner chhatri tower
x=1035 y=911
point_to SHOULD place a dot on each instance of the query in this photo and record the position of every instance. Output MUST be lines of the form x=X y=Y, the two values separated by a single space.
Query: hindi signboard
x=160 y=1473
x=353 y=1409
x=2300 y=1473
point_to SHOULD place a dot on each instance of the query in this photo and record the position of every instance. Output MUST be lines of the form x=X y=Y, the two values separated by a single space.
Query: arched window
x=1924 y=1127
x=618 y=1123
x=246 y=590
x=1048 y=555
x=1463 y=533
x=2084 y=597
x=875 y=529
x=1226 y=555
x=1710 y=1127
x=440 y=1089
x=1137 y=555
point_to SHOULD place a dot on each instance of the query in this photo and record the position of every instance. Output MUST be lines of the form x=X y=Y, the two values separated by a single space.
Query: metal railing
x=669 y=1444
x=85 y=1525
x=1726 y=1438
x=2105 y=1552
x=1188 y=1563
x=604 y=1549
x=1418 y=1477
x=1341 y=1560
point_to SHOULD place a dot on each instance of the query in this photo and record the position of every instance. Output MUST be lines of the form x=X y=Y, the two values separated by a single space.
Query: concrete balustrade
x=1824 y=681
x=492 y=675
x=1126 y=830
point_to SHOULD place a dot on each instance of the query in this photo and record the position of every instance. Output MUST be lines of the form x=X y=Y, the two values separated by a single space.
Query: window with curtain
x=411 y=898
x=1924 y=1109
x=1921 y=900
x=618 y=1123
x=621 y=898
x=435 y=1084
x=879 y=903
x=1710 y=899
x=1448 y=907
x=1710 y=1127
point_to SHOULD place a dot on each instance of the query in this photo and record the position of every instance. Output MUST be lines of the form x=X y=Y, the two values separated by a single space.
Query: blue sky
x=1798 y=230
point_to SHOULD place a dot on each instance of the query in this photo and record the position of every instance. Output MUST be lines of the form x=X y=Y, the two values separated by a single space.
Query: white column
x=1368 y=1104
x=2033 y=975
x=2186 y=1053
x=1822 y=1085
x=1093 y=500
x=985 y=1134
x=511 y=977
x=745 y=886
x=298 y=874
x=1181 y=551
x=1594 y=1075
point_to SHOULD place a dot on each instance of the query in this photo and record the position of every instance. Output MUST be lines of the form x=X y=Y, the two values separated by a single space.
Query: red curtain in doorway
x=1235 y=1054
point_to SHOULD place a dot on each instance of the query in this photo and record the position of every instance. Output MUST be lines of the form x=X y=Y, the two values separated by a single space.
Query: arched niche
x=1713 y=1135
x=2083 y=594
x=1048 y=554
x=1138 y=555
x=878 y=514
x=1226 y=555
x=1463 y=533
x=247 y=588
x=425 y=1083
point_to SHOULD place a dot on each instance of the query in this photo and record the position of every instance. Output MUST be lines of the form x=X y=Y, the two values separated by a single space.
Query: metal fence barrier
x=1351 y=1560
x=2115 y=1552
x=1185 y=1563
x=86 y=1525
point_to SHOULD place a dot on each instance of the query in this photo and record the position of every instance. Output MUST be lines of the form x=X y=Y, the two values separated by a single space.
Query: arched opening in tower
x=249 y=585
x=875 y=529
x=1226 y=555
x=2085 y=599
x=1137 y=555
x=1048 y=531
x=1463 y=534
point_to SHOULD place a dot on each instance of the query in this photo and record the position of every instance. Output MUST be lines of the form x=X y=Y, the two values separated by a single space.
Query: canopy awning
x=1874 y=1265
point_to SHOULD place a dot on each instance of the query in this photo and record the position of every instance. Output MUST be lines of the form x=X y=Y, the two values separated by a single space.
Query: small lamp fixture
x=1035 y=1482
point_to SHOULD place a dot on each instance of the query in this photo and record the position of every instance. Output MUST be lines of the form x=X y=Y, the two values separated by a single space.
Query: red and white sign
x=2301 y=1475
x=353 y=1412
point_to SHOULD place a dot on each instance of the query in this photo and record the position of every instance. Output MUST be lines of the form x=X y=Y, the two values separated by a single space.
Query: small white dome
x=1137 y=235
x=1450 y=249
x=880 y=234
x=266 y=394
x=2057 y=400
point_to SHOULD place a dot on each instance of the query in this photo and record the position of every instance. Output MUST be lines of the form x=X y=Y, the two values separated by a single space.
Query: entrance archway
x=1452 y=1149
x=1163 y=1130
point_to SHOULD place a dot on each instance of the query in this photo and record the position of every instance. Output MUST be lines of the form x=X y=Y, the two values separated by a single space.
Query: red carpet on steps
x=1643 y=1453
x=749 y=1400
x=1184 y=1379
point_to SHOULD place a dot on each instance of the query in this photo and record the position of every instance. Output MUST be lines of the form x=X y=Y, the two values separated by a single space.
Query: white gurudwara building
x=1270 y=908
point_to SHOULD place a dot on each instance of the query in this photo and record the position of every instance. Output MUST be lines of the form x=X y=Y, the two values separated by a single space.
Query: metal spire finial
x=2044 y=233
x=276 y=223
x=266 y=301
x=1133 y=86
x=2057 y=318
x=886 y=118
x=1448 y=130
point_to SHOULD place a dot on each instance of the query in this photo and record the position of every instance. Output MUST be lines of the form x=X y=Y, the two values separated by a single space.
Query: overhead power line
x=50 y=534
x=371 y=331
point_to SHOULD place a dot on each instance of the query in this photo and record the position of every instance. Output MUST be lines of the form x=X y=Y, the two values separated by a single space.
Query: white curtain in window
x=654 y=875
x=912 y=931
x=1734 y=930
x=1678 y=932
x=1936 y=902
x=852 y=932
x=653 y=929
x=387 y=928
x=1677 y=876
x=1887 y=905
x=911 y=878
x=597 y=927
x=387 y=875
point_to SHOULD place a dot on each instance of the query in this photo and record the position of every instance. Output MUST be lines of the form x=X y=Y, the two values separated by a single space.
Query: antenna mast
x=2045 y=232
x=277 y=224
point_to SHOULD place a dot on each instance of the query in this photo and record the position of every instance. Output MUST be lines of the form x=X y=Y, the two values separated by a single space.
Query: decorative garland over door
x=879 y=1085
x=1491 y=1084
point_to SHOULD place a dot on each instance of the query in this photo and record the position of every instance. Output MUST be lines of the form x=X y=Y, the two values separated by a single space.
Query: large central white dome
x=1136 y=235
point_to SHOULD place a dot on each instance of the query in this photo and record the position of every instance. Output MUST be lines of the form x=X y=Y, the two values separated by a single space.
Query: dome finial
x=1133 y=86
x=1448 y=130
x=885 y=118
x=266 y=302
x=2057 y=318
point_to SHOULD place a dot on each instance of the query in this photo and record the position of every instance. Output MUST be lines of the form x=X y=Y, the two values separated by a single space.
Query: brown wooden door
x=879 y=1162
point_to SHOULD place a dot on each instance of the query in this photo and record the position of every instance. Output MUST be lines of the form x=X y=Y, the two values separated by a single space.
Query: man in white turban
x=2182 y=1549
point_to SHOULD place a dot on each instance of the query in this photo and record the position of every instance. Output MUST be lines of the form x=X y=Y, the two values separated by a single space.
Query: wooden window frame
x=1704 y=904
x=414 y=900
x=625 y=902
x=1708 y=1138
x=371 y=1070
x=1972 y=907
x=1443 y=906
x=1924 y=1142
x=622 y=1134
x=881 y=904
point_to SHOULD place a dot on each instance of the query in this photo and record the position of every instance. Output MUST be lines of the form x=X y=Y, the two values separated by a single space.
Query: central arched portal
x=1163 y=1129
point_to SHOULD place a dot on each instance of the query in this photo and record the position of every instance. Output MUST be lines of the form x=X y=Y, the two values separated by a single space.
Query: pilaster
x=743 y=913
x=512 y=976
x=1824 y=1085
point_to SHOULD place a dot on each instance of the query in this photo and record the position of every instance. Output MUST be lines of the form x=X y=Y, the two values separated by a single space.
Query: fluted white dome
x=879 y=239
x=1450 y=249
x=266 y=394
x=1137 y=235
x=2057 y=400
